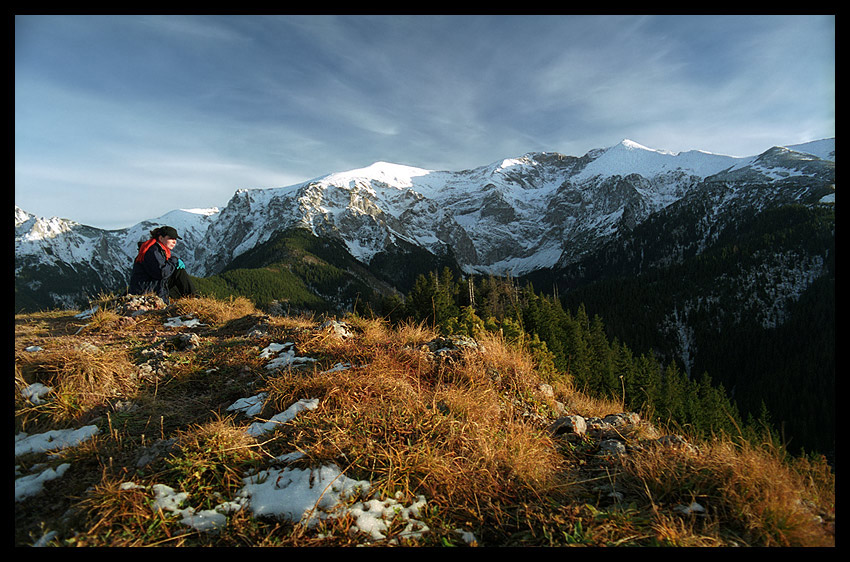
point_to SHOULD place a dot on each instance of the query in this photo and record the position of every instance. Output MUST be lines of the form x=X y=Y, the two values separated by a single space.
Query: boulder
x=572 y=424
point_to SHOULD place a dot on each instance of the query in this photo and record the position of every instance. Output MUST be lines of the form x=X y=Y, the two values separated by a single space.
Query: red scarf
x=146 y=246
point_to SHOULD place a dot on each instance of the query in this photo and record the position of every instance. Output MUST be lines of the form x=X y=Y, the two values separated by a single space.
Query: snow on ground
x=35 y=393
x=27 y=485
x=305 y=496
x=395 y=175
x=286 y=356
x=259 y=428
x=32 y=484
x=629 y=157
x=182 y=322
x=52 y=440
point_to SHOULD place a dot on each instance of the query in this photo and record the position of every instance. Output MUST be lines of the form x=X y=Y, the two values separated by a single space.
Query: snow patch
x=36 y=392
x=32 y=484
x=53 y=440
x=397 y=175
x=259 y=428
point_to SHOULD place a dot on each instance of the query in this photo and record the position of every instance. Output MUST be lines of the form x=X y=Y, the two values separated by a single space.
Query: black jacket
x=151 y=274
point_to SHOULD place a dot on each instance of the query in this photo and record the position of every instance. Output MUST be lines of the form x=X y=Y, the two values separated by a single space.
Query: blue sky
x=124 y=118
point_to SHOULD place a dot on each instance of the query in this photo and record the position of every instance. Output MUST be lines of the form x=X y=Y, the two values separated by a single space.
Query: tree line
x=572 y=346
x=730 y=289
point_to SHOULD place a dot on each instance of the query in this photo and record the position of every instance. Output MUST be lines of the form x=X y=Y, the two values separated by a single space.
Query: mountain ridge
x=513 y=216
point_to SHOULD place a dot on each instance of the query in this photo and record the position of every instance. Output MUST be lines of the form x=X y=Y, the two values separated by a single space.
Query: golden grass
x=211 y=457
x=419 y=426
x=747 y=491
x=214 y=311
x=82 y=377
x=467 y=431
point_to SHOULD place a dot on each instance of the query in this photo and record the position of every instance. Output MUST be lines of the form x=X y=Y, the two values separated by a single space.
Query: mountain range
x=539 y=211
x=722 y=265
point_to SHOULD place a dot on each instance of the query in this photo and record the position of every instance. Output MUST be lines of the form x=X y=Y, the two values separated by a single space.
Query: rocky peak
x=514 y=216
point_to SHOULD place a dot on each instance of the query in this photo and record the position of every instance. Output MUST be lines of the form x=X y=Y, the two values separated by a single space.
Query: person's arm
x=156 y=265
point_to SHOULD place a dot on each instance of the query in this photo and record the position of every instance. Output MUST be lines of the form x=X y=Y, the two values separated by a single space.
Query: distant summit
x=513 y=216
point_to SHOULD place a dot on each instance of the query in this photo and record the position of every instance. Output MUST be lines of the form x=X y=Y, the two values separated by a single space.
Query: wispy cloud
x=208 y=104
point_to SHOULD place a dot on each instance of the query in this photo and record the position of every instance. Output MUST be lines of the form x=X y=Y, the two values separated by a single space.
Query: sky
x=120 y=119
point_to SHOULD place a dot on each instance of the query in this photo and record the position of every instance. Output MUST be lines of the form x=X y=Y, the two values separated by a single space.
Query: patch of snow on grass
x=32 y=484
x=301 y=495
x=182 y=322
x=286 y=356
x=35 y=392
x=250 y=406
x=53 y=440
x=258 y=428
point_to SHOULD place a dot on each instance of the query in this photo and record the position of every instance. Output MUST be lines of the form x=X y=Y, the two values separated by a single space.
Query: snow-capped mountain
x=514 y=216
x=62 y=263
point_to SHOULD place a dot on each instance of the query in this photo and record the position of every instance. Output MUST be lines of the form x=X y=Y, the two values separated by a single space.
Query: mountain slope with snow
x=60 y=262
x=513 y=216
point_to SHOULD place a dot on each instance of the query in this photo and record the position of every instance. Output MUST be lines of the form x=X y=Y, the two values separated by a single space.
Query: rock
x=559 y=408
x=155 y=451
x=339 y=329
x=154 y=365
x=573 y=424
x=258 y=331
x=275 y=308
x=611 y=447
x=609 y=490
x=153 y=354
x=124 y=407
x=186 y=342
x=448 y=348
x=253 y=325
x=546 y=390
x=595 y=426
x=87 y=347
x=451 y=343
x=676 y=442
x=621 y=420
x=612 y=425
x=693 y=509
x=133 y=305
x=126 y=321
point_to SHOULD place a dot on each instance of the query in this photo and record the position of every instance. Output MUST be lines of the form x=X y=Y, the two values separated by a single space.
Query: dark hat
x=170 y=232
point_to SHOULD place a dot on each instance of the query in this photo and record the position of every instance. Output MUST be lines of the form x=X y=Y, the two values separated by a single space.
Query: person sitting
x=156 y=270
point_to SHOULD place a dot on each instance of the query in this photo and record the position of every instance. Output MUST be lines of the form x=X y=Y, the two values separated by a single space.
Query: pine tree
x=433 y=300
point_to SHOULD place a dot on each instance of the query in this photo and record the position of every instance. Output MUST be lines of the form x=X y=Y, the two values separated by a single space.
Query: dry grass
x=421 y=426
x=750 y=496
x=83 y=377
x=214 y=311
x=467 y=431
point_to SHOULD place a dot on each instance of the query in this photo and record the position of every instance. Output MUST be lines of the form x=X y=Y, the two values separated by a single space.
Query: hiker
x=157 y=271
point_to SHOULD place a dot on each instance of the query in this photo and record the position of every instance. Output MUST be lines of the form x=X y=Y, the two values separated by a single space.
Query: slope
x=299 y=272
x=755 y=309
x=210 y=424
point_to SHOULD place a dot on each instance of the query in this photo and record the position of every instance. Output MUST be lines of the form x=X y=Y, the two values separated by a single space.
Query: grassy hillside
x=299 y=271
x=362 y=434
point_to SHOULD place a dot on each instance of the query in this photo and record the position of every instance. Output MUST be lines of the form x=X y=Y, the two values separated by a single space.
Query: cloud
x=208 y=104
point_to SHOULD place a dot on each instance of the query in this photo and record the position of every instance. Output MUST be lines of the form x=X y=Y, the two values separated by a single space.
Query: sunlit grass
x=467 y=430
